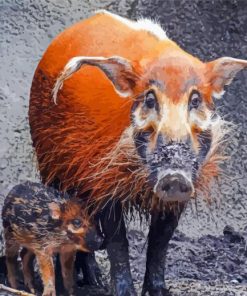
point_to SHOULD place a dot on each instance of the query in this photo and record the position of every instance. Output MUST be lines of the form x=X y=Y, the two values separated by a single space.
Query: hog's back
x=89 y=116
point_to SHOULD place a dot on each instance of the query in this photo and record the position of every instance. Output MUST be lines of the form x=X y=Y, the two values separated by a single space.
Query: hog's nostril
x=166 y=187
x=184 y=188
x=174 y=186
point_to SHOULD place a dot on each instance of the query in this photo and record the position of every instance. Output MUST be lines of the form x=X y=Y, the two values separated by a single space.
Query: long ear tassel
x=71 y=67
x=118 y=70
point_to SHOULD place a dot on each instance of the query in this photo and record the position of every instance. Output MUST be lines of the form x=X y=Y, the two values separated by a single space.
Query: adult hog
x=122 y=115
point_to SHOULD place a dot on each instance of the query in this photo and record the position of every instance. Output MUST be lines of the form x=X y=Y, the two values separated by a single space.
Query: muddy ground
x=206 y=266
x=199 y=255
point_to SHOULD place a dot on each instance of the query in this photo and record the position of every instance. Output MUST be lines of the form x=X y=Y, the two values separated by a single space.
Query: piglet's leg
x=11 y=263
x=28 y=271
x=47 y=273
x=67 y=260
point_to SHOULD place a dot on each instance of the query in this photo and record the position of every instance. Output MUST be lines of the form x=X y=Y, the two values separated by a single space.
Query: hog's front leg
x=161 y=230
x=117 y=249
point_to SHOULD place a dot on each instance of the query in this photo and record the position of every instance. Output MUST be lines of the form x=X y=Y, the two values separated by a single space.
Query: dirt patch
x=206 y=266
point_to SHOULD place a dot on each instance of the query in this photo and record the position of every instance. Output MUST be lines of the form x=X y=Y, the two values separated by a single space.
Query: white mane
x=144 y=24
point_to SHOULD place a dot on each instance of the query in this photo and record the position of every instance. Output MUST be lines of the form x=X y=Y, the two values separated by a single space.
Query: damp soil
x=210 y=265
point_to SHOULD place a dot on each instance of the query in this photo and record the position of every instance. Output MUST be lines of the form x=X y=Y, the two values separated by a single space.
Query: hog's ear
x=222 y=71
x=55 y=210
x=118 y=70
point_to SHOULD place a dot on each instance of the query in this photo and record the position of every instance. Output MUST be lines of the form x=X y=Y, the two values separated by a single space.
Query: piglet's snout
x=174 y=187
x=93 y=239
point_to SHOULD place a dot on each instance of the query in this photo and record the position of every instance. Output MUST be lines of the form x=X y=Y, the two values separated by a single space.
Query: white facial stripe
x=141 y=123
x=203 y=124
x=142 y=24
x=174 y=119
x=164 y=113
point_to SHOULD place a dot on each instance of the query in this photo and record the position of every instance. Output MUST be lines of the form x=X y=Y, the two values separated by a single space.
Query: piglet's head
x=78 y=226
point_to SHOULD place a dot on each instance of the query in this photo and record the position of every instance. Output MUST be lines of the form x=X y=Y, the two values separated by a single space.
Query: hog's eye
x=76 y=223
x=150 y=99
x=195 y=100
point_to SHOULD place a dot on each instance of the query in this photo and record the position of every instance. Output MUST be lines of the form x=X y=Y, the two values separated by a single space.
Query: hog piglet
x=44 y=222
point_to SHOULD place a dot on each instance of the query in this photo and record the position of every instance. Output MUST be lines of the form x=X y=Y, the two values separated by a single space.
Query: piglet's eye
x=195 y=100
x=150 y=99
x=77 y=223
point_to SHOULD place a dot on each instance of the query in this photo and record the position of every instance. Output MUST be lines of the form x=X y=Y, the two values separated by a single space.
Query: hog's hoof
x=156 y=292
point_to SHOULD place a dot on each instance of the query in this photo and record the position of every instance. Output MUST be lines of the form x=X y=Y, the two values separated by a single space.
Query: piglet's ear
x=118 y=70
x=222 y=71
x=55 y=210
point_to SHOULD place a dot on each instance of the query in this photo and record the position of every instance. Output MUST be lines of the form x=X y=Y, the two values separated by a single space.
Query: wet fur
x=131 y=185
x=82 y=144
x=96 y=180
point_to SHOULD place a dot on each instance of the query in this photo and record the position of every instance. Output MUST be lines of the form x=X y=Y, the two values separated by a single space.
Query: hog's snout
x=174 y=187
x=93 y=239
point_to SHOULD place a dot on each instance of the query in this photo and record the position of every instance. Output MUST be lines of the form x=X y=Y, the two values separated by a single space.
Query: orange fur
x=76 y=139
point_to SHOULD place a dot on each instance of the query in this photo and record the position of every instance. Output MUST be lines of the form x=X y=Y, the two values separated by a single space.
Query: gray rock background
x=207 y=29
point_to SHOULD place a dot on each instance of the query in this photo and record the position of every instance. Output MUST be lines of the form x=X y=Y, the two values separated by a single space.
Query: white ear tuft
x=218 y=95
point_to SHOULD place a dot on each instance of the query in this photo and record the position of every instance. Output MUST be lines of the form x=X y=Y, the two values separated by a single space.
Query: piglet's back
x=26 y=208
